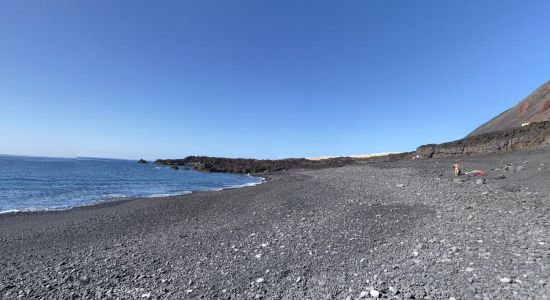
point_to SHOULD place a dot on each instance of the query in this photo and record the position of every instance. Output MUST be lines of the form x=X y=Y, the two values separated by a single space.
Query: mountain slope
x=534 y=108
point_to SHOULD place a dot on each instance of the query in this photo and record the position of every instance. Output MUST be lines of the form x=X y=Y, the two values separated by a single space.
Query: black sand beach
x=401 y=230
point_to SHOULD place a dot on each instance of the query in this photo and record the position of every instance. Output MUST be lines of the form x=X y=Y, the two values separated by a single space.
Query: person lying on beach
x=476 y=173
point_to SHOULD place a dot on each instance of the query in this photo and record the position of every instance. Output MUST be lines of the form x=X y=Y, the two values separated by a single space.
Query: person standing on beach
x=458 y=171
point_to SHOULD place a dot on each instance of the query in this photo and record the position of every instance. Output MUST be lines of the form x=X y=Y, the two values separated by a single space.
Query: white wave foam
x=10 y=211
x=236 y=186
x=33 y=209
x=110 y=197
x=168 y=194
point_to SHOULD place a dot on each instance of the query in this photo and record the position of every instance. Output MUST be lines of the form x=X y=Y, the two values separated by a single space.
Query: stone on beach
x=505 y=280
x=374 y=293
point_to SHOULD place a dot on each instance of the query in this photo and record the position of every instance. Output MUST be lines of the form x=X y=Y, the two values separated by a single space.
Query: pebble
x=146 y=295
x=374 y=293
x=259 y=280
x=505 y=280
x=364 y=294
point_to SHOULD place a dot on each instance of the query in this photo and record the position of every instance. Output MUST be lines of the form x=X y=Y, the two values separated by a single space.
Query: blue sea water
x=35 y=183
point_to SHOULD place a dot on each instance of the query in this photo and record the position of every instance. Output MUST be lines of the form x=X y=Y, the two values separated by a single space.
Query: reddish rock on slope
x=534 y=108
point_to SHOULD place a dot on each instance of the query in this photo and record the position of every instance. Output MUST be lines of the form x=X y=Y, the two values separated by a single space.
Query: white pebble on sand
x=505 y=280
x=374 y=293
x=259 y=280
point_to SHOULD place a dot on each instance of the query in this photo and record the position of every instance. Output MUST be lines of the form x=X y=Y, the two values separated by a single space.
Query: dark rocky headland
x=531 y=137
x=254 y=166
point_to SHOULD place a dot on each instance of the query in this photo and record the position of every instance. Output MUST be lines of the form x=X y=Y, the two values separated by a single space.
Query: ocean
x=36 y=183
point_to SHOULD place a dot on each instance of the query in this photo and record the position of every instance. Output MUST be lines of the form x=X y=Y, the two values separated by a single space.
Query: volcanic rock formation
x=534 y=108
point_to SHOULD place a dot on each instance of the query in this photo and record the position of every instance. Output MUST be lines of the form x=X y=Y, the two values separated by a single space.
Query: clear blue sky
x=264 y=79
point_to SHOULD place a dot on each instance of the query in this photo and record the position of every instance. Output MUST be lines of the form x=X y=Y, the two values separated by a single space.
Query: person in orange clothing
x=458 y=172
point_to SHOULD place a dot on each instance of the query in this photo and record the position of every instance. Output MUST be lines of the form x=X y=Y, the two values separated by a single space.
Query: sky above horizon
x=262 y=79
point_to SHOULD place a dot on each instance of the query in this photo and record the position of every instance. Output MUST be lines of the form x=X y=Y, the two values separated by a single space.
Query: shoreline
x=403 y=229
x=126 y=198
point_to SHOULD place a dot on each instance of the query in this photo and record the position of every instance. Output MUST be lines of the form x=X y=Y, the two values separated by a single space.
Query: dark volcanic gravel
x=405 y=230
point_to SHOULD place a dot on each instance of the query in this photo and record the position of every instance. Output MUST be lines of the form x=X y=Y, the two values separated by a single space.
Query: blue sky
x=263 y=79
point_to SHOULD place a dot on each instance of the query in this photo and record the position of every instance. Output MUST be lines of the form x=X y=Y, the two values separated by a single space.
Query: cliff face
x=534 y=108
x=533 y=136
